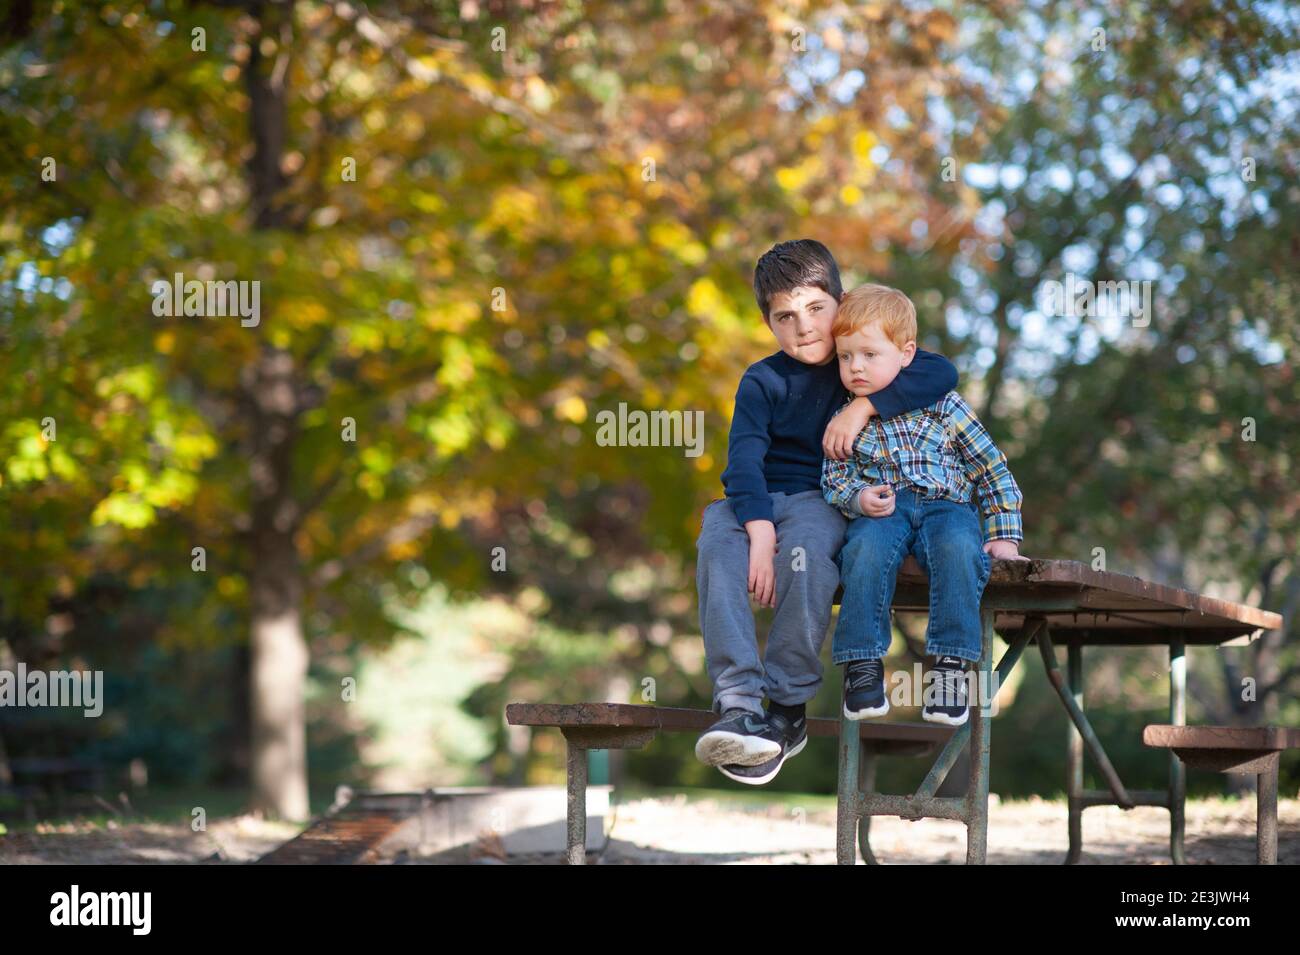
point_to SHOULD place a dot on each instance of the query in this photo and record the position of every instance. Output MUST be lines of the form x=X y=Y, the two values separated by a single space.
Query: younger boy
x=932 y=458
x=774 y=506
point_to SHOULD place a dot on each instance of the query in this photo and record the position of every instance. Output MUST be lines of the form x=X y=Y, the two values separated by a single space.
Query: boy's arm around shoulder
x=922 y=383
x=987 y=468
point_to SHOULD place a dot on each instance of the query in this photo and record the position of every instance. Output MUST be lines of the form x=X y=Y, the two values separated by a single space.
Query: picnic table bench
x=1254 y=750
x=1034 y=602
x=630 y=726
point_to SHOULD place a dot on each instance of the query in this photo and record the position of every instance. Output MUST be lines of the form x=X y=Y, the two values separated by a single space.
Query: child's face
x=801 y=320
x=869 y=361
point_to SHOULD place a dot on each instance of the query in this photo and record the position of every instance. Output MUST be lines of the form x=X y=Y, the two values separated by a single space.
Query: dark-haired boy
x=774 y=506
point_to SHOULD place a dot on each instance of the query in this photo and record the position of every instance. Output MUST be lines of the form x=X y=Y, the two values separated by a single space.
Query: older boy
x=774 y=506
x=932 y=458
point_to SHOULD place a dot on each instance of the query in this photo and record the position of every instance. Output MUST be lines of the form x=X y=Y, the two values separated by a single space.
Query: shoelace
x=951 y=686
x=861 y=675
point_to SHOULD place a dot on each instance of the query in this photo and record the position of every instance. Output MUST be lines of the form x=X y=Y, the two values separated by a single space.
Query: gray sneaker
x=740 y=737
x=793 y=737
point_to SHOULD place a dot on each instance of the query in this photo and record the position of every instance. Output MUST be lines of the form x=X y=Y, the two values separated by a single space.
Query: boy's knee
x=958 y=552
x=812 y=567
x=714 y=549
x=812 y=549
x=856 y=545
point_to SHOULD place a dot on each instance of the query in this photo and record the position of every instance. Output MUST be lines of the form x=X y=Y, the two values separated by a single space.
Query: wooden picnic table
x=1036 y=602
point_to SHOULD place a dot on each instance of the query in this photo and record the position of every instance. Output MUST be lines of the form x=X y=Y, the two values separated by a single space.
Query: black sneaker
x=792 y=736
x=740 y=737
x=945 y=692
x=864 y=689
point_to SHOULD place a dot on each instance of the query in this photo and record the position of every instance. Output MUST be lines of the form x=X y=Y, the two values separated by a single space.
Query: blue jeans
x=809 y=533
x=947 y=540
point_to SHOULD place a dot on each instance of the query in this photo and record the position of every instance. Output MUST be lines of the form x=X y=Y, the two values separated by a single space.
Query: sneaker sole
x=760 y=780
x=717 y=749
x=945 y=719
x=866 y=712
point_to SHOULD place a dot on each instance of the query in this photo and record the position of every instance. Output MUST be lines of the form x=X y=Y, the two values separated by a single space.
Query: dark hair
x=787 y=265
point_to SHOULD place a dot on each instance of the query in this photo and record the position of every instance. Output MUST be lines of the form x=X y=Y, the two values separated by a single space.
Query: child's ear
x=909 y=352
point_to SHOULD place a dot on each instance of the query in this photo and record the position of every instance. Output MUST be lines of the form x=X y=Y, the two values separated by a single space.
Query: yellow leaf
x=863 y=143
x=572 y=409
x=790 y=178
x=704 y=298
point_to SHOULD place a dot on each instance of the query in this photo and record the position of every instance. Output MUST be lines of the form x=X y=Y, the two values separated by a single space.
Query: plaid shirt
x=941 y=451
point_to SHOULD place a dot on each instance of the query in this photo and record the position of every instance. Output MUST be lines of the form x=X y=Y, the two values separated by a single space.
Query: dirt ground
x=678 y=830
x=238 y=839
x=1032 y=832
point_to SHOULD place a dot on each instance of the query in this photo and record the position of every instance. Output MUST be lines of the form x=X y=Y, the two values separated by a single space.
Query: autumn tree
x=472 y=224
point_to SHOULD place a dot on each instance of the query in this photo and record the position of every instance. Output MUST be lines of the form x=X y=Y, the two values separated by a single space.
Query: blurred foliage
x=504 y=267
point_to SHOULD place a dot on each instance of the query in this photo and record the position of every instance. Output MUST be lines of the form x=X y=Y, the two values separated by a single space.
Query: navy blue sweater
x=782 y=409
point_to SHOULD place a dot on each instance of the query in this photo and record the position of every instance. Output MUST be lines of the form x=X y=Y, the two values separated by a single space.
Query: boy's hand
x=762 y=562
x=877 y=501
x=1004 y=550
x=837 y=442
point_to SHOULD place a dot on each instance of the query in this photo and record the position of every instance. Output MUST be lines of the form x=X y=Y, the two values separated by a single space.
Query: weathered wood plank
x=1259 y=738
x=1099 y=606
x=672 y=719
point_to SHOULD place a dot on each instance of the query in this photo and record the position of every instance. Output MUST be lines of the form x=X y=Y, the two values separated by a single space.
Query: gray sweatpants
x=809 y=533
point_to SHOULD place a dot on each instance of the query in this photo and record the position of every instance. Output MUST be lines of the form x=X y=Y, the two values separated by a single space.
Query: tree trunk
x=278 y=649
x=277 y=680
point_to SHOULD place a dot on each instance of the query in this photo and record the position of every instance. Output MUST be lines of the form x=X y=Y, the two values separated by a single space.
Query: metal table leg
x=576 y=830
x=1071 y=697
x=1090 y=739
x=1266 y=814
x=977 y=824
x=866 y=784
x=1177 y=771
x=846 y=802
x=580 y=739
x=1074 y=754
